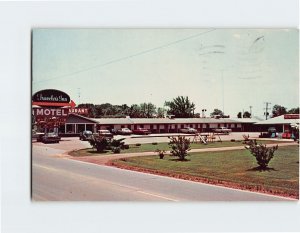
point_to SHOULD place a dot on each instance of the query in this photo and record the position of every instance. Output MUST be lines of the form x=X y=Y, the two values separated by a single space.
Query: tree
x=180 y=146
x=147 y=110
x=181 y=107
x=135 y=111
x=294 y=111
x=239 y=115
x=247 y=114
x=161 y=112
x=217 y=112
x=278 y=110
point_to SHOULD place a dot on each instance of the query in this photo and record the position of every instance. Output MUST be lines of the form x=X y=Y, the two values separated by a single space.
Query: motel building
x=54 y=111
x=76 y=123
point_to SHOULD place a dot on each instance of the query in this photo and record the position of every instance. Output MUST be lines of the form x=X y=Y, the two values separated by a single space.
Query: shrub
x=161 y=153
x=100 y=143
x=262 y=154
x=179 y=147
x=232 y=140
x=117 y=142
x=138 y=144
x=125 y=147
x=154 y=143
x=116 y=150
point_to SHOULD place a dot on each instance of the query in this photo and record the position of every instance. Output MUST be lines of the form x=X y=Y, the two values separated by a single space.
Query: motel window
x=218 y=125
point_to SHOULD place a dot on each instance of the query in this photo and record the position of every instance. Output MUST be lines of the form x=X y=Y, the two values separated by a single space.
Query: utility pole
x=250 y=111
x=267 y=109
x=223 y=91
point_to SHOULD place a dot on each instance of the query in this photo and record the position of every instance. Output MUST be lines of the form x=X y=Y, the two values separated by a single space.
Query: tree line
x=179 y=107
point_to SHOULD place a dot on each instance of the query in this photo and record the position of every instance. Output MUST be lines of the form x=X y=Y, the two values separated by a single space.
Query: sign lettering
x=291 y=116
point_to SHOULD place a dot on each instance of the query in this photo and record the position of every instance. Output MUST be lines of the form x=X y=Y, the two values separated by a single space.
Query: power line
x=127 y=57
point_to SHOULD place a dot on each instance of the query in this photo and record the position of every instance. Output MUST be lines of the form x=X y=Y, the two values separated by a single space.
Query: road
x=57 y=178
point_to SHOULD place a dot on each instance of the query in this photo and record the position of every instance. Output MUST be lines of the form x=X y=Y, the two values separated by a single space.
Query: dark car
x=141 y=131
x=50 y=137
x=85 y=135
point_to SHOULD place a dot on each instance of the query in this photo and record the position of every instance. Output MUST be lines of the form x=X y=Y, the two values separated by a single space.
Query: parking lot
x=73 y=143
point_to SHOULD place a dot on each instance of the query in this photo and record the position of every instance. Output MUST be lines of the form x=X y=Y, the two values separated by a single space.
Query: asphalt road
x=57 y=178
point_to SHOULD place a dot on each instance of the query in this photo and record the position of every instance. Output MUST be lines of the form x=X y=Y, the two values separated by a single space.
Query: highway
x=57 y=178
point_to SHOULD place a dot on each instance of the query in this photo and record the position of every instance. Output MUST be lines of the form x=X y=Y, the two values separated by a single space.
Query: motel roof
x=248 y=120
x=128 y=121
x=280 y=120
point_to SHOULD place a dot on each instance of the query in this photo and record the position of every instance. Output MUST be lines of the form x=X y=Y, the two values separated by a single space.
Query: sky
x=228 y=69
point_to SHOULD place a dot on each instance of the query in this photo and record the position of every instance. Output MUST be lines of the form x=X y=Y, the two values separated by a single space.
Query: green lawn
x=164 y=146
x=231 y=167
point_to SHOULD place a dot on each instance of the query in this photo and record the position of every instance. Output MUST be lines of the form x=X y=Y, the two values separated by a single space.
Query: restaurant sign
x=51 y=96
x=81 y=111
x=291 y=116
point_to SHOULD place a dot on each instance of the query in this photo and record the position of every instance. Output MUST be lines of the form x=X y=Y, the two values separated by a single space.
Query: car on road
x=50 y=137
x=105 y=133
x=124 y=131
x=222 y=130
x=188 y=130
x=85 y=135
x=141 y=131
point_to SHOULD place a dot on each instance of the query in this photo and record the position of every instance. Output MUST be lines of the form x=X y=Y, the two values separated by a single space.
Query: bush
x=161 y=153
x=100 y=143
x=125 y=147
x=116 y=150
x=138 y=144
x=262 y=154
x=154 y=143
x=117 y=143
x=179 y=146
x=232 y=140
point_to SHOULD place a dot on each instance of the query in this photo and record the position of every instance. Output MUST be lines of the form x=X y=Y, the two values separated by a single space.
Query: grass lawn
x=164 y=146
x=229 y=168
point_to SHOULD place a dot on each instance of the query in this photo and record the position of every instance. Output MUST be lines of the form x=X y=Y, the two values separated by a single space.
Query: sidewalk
x=105 y=159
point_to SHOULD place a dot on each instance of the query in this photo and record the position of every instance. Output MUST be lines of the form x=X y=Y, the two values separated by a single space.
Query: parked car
x=188 y=130
x=38 y=136
x=271 y=130
x=85 y=135
x=50 y=137
x=223 y=130
x=287 y=134
x=124 y=131
x=105 y=133
x=141 y=131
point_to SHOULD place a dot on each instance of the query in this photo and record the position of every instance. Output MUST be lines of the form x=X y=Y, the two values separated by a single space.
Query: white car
x=188 y=130
x=124 y=131
x=223 y=130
